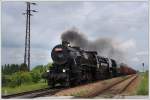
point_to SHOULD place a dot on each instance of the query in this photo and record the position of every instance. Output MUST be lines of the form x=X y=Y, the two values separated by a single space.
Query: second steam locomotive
x=73 y=66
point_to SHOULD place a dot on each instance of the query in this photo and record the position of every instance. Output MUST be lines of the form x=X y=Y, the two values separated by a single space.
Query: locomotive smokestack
x=65 y=43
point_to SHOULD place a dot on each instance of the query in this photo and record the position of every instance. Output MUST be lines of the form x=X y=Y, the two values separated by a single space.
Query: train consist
x=73 y=66
x=125 y=70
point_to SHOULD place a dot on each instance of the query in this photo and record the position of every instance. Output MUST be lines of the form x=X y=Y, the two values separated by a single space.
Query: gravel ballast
x=91 y=89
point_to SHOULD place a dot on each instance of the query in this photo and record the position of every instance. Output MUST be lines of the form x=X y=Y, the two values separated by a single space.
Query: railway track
x=34 y=94
x=116 y=89
x=92 y=89
x=110 y=91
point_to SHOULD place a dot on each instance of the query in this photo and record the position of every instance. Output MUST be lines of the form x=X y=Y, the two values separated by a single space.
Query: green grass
x=23 y=88
x=143 y=87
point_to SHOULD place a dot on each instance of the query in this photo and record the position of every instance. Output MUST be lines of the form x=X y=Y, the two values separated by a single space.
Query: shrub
x=35 y=76
x=26 y=77
x=16 y=75
x=19 y=78
x=5 y=80
x=15 y=80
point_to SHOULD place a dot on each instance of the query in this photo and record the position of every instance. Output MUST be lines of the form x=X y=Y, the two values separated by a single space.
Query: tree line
x=8 y=69
x=15 y=75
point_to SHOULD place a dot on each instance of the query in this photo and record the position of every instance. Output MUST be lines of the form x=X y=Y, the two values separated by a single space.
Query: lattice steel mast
x=27 y=36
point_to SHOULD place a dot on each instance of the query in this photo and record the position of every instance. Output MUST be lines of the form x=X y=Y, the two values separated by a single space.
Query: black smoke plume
x=104 y=46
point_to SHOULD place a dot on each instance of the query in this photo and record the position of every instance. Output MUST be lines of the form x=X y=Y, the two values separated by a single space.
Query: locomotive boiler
x=73 y=66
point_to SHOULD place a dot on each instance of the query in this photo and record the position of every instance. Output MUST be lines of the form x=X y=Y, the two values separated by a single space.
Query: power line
x=27 y=36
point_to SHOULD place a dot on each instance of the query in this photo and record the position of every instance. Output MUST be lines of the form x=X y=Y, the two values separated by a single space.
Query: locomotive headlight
x=47 y=71
x=64 y=70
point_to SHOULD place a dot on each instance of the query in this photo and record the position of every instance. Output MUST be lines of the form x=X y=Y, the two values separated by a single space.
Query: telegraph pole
x=143 y=67
x=27 y=36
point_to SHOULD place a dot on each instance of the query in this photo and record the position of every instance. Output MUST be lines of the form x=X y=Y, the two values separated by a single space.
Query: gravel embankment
x=132 y=88
x=117 y=89
x=91 y=89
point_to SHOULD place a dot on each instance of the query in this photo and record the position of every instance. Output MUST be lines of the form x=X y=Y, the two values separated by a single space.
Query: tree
x=6 y=69
x=12 y=68
x=2 y=69
x=17 y=68
x=23 y=67
x=38 y=68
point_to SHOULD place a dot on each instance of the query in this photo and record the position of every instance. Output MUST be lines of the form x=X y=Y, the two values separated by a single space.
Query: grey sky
x=125 y=22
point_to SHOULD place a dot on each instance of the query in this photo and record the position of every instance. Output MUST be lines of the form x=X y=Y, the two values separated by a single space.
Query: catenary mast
x=27 y=36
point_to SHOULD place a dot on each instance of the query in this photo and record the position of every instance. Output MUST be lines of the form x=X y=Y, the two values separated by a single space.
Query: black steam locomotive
x=73 y=66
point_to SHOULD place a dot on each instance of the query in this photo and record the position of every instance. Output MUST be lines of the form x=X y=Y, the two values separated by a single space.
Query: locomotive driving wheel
x=51 y=84
x=68 y=82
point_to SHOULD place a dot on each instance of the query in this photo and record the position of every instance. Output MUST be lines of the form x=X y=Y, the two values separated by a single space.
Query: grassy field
x=143 y=88
x=23 y=88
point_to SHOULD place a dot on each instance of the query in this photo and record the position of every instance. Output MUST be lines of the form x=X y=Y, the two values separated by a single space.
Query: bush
x=35 y=76
x=5 y=80
x=15 y=80
x=38 y=71
x=19 y=78
x=20 y=75
x=26 y=77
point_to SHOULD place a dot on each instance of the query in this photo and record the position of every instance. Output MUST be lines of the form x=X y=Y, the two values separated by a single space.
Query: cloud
x=94 y=18
x=16 y=55
x=125 y=21
x=127 y=45
x=142 y=53
x=118 y=19
x=135 y=59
